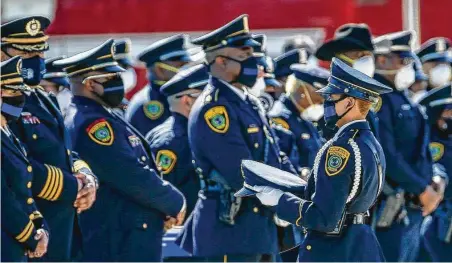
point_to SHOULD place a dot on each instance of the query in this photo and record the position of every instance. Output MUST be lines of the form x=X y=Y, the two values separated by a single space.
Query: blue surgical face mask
x=248 y=71
x=33 y=69
x=330 y=115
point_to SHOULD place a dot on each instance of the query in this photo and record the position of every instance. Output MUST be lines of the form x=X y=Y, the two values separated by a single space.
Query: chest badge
x=101 y=132
x=134 y=140
x=165 y=160
x=27 y=118
x=406 y=107
x=336 y=160
x=153 y=109
x=305 y=136
x=437 y=150
x=217 y=119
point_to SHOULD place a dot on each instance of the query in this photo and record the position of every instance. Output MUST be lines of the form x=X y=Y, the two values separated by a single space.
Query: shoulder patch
x=165 y=160
x=153 y=109
x=281 y=122
x=217 y=118
x=100 y=131
x=437 y=150
x=377 y=105
x=336 y=160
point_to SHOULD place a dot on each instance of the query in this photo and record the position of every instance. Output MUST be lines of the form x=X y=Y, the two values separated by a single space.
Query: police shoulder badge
x=100 y=131
x=336 y=160
x=437 y=150
x=217 y=118
x=281 y=122
x=165 y=161
x=153 y=109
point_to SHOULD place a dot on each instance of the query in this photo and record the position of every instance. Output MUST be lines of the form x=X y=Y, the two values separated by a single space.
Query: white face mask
x=259 y=87
x=405 y=77
x=64 y=98
x=129 y=78
x=313 y=112
x=440 y=75
x=365 y=65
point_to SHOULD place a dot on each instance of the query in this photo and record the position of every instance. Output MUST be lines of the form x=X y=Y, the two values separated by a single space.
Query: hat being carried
x=351 y=82
x=27 y=34
x=348 y=37
x=258 y=174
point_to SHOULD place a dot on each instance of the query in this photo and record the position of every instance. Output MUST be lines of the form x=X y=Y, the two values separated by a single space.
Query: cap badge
x=33 y=27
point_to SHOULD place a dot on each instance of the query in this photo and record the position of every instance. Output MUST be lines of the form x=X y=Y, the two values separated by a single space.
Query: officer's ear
x=351 y=102
x=221 y=62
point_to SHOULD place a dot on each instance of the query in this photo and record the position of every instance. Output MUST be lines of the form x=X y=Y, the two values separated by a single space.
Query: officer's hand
x=180 y=217
x=267 y=195
x=87 y=195
x=169 y=223
x=41 y=248
x=429 y=200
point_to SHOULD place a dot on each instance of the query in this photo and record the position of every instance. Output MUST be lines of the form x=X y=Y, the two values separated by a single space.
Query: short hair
x=364 y=106
x=292 y=84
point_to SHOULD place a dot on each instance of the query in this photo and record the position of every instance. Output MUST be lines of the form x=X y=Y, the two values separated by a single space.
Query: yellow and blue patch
x=437 y=150
x=100 y=132
x=336 y=160
x=217 y=119
x=153 y=109
x=166 y=160
x=281 y=122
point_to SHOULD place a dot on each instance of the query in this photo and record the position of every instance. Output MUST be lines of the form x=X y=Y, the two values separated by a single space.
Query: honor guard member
x=62 y=183
x=149 y=108
x=404 y=136
x=127 y=225
x=169 y=140
x=23 y=230
x=226 y=125
x=437 y=238
x=282 y=66
x=299 y=107
x=352 y=43
x=346 y=179
x=435 y=57
x=56 y=83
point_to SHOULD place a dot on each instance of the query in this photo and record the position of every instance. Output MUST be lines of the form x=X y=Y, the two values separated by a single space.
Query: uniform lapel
x=15 y=147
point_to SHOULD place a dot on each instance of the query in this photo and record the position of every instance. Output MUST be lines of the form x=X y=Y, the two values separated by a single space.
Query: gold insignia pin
x=245 y=24
x=33 y=27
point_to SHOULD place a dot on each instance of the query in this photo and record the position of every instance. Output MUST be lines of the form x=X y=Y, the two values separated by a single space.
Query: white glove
x=267 y=195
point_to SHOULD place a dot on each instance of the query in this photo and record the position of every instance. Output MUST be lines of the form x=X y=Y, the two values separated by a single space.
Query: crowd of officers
x=85 y=178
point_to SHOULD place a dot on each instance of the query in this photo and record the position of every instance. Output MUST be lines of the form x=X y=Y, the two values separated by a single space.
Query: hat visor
x=245 y=192
x=272 y=82
x=404 y=54
x=19 y=87
x=330 y=89
x=125 y=62
x=330 y=48
x=437 y=57
x=59 y=81
x=112 y=69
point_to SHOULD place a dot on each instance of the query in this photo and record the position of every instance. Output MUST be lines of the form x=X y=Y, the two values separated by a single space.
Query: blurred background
x=78 y=25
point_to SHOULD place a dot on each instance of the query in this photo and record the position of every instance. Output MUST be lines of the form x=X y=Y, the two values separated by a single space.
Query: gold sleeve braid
x=26 y=232
x=54 y=184
x=79 y=164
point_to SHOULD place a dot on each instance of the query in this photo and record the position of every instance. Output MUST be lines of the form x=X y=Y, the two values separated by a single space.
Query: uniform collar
x=85 y=101
x=384 y=81
x=179 y=118
x=238 y=92
x=289 y=104
x=353 y=125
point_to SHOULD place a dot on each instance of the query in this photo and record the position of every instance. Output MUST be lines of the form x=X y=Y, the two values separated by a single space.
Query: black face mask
x=113 y=91
x=12 y=107
x=330 y=115
x=248 y=71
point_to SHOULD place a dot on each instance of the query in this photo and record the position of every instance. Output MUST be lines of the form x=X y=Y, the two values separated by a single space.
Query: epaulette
x=211 y=94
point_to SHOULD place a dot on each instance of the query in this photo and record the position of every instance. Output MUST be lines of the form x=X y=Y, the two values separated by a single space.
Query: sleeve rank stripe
x=51 y=183
x=51 y=194
x=60 y=185
x=25 y=234
x=49 y=178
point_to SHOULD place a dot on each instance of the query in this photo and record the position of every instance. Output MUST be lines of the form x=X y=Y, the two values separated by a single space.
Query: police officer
x=148 y=108
x=169 y=140
x=352 y=43
x=55 y=82
x=346 y=179
x=404 y=136
x=434 y=55
x=23 y=230
x=282 y=65
x=227 y=124
x=299 y=107
x=437 y=238
x=62 y=183
x=127 y=224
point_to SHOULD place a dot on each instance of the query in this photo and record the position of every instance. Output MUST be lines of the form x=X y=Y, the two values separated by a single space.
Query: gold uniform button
x=32 y=216
x=34 y=136
x=308 y=247
x=255 y=210
x=68 y=153
x=145 y=225
x=29 y=169
x=143 y=158
x=30 y=201
x=256 y=145
x=29 y=185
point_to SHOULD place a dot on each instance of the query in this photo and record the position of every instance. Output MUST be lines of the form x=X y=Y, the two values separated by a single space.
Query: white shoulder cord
x=358 y=168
